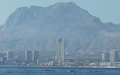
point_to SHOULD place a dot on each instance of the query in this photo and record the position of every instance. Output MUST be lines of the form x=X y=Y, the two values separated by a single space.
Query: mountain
x=38 y=28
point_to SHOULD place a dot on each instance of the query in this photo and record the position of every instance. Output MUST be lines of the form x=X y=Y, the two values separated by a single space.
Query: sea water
x=20 y=70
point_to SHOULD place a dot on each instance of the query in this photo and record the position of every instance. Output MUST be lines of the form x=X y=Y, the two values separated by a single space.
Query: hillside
x=38 y=28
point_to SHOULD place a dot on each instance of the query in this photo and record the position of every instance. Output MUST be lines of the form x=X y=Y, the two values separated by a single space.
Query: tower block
x=60 y=50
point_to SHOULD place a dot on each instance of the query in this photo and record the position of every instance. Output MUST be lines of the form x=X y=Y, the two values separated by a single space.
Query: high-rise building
x=60 y=50
x=114 y=56
x=28 y=56
x=38 y=62
x=18 y=56
x=9 y=55
x=2 y=55
x=105 y=56
x=76 y=60
x=35 y=56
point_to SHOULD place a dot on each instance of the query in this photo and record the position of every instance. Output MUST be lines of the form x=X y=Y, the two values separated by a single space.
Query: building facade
x=9 y=55
x=2 y=55
x=105 y=56
x=35 y=56
x=114 y=56
x=28 y=56
x=18 y=56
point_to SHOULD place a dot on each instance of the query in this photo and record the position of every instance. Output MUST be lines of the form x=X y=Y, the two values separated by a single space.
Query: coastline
x=60 y=66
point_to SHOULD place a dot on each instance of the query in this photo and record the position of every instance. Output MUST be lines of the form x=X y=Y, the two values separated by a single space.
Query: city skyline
x=108 y=58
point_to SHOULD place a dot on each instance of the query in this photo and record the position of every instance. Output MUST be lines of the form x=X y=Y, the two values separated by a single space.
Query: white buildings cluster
x=111 y=56
x=30 y=56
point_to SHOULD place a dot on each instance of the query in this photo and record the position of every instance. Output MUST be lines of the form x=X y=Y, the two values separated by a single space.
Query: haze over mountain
x=38 y=28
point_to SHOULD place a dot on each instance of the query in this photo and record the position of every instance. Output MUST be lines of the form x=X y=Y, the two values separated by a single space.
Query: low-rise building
x=10 y=62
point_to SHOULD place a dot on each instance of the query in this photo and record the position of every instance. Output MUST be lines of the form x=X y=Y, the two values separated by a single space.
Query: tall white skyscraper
x=114 y=56
x=60 y=50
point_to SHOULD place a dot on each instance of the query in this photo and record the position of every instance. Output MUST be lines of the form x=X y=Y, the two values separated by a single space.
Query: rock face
x=38 y=28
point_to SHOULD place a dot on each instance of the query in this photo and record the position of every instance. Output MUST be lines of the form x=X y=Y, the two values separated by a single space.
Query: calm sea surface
x=15 y=70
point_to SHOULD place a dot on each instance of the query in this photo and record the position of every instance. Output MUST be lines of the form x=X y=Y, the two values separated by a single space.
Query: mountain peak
x=64 y=4
x=60 y=13
x=37 y=28
x=71 y=3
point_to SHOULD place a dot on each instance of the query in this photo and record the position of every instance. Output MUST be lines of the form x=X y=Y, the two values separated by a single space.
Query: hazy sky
x=106 y=10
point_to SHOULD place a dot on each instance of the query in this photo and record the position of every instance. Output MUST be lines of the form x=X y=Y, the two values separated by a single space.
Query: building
x=9 y=55
x=10 y=62
x=38 y=62
x=60 y=50
x=1 y=63
x=105 y=56
x=108 y=64
x=28 y=56
x=30 y=64
x=52 y=63
x=113 y=56
x=2 y=55
x=35 y=56
x=69 y=64
x=76 y=60
x=61 y=63
x=86 y=63
x=23 y=64
x=18 y=56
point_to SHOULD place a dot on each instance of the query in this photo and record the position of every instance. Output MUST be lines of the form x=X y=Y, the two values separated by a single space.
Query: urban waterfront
x=20 y=70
